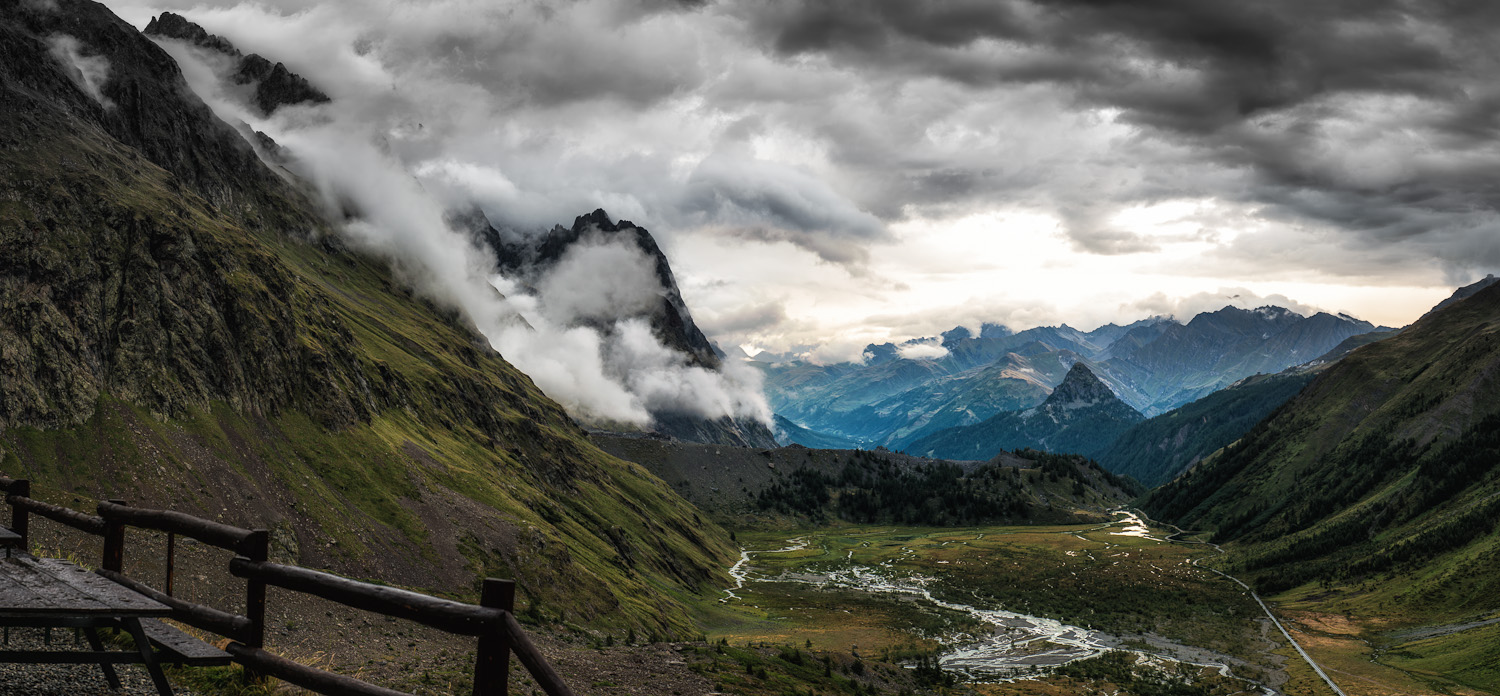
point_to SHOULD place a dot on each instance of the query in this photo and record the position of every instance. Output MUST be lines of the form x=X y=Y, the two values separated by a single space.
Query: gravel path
x=68 y=680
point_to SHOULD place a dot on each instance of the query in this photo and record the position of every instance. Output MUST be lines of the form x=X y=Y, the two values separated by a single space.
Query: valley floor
x=1001 y=605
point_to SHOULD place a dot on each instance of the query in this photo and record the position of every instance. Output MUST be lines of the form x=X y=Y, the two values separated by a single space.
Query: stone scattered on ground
x=68 y=680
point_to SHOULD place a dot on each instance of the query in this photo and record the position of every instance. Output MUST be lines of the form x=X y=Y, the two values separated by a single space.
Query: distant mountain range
x=1153 y=365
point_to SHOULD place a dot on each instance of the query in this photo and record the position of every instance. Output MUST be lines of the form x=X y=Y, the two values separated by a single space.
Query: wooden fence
x=492 y=621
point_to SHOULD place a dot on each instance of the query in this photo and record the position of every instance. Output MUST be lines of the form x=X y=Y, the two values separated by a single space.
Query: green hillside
x=179 y=327
x=1385 y=469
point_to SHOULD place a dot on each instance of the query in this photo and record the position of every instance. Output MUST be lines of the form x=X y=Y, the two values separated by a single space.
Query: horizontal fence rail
x=57 y=513
x=442 y=614
x=217 y=534
x=492 y=620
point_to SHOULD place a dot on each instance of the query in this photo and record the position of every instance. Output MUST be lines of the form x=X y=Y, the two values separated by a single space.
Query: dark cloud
x=1279 y=90
x=747 y=320
x=763 y=200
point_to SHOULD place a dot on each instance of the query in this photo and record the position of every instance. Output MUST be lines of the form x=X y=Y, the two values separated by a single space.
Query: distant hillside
x=1081 y=416
x=793 y=434
x=1465 y=292
x=1216 y=349
x=800 y=485
x=1012 y=382
x=1158 y=449
x=1387 y=463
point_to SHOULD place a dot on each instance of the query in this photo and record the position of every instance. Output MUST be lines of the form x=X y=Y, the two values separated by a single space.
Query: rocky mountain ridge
x=530 y=258
x=1081 y=416
x=274 y=85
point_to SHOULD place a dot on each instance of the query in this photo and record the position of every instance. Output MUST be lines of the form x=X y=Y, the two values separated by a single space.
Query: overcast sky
x=830 y=174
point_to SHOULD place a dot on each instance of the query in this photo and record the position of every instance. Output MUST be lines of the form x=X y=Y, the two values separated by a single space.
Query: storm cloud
x=1336 y=153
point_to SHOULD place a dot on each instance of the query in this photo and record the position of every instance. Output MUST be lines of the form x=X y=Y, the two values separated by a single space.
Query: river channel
x=1017 y=645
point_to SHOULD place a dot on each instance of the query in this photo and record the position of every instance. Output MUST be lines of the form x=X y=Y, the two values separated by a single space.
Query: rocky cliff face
x=533 y=258
x=115 y=283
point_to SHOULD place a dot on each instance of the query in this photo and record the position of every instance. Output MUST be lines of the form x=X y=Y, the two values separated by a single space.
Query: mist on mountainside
x=573 y=331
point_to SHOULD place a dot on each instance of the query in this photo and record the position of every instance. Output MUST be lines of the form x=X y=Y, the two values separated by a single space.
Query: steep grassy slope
x=1155 y=450
x=1386 y=468
x=179 y=327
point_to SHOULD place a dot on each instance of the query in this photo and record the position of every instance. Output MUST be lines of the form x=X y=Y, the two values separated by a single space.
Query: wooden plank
x=9 y=538
x=16 y=595
x=180 y=648
x=53 y=595
x=111 y=594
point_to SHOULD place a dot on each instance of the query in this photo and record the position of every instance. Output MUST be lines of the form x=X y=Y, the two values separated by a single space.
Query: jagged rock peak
x=599 y=219
x=1080 y=385
x=275 y=85
x=175 y=26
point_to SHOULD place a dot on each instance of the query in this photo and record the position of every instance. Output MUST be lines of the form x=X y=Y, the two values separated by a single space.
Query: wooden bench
x=178 y=648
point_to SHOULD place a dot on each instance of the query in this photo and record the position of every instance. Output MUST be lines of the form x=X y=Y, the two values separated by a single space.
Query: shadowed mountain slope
x=181 y=328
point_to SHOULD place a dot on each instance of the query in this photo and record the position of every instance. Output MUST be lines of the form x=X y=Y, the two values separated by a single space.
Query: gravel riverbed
x=68 y=680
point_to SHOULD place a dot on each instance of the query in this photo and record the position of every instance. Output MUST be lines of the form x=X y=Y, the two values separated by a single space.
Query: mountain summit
x=1081 y=416
x=547 y=265
x=1079 y=388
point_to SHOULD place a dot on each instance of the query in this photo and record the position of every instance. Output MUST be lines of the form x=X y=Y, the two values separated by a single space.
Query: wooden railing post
x=492 y=665
x=20 y=517
x=114 y=543
x=258 y=550
x=171 y=560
